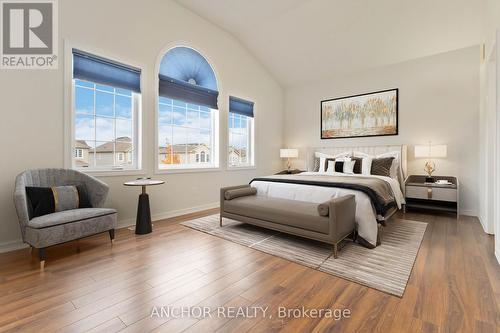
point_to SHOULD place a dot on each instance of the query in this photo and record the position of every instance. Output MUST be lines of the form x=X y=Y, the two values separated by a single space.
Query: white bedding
x=366 y=219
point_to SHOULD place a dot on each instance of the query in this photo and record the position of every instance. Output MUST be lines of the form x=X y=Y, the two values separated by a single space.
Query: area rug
x=386 y=268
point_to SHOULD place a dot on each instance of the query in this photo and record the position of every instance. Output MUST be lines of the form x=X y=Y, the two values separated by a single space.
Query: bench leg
x=42 y=257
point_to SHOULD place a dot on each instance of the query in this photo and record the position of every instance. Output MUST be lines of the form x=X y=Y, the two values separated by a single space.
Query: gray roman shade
x=187 y=92
x=187 y=76
x=99 y=70
x=240 y=106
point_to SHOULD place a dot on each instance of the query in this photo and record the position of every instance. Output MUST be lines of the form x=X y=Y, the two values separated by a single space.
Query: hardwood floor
x=454 y=286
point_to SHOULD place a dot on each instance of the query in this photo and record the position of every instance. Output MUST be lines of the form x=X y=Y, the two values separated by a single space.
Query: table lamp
x=289 y=153
x=430 y=151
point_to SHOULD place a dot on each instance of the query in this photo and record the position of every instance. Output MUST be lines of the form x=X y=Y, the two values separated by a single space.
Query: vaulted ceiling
x=307 y=40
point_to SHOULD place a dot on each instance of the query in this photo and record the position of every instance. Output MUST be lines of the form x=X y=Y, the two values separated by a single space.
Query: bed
x=318 y=187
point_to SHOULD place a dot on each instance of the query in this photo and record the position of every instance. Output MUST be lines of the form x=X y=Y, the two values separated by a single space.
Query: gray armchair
x=60 y=227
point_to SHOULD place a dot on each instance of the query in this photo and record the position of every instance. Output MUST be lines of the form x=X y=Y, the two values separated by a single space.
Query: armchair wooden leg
x=220 y=220
x=112 y=235
x=42 y=257
x=335 y=250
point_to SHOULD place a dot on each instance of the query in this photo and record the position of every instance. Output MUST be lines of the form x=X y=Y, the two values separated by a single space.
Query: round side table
x=143 y=221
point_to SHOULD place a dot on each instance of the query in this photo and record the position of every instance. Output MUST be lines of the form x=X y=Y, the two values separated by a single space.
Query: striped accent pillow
x=48 y=200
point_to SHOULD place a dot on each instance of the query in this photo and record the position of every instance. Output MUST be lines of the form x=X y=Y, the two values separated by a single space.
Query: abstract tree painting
x=371 y=114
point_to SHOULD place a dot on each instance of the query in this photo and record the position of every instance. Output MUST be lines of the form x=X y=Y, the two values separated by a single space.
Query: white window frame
x=250 y=142
x=135 y=140
x=193 y=167
x=69 y=114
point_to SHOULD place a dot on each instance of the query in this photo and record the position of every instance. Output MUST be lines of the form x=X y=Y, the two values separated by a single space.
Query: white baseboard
x=18 y=243
x=468 y=212
x=483 y=224
x=12 y=245
x=174 y=213
x=497 y=254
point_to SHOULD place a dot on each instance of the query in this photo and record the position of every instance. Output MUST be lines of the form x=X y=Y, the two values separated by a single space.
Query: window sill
x=241 y=168
x=113 y=173
x=186 y=170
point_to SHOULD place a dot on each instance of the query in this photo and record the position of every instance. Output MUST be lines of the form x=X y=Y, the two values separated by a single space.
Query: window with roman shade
x=96 y=69
x=241 y=133
x=106 y=109
x=187 y=111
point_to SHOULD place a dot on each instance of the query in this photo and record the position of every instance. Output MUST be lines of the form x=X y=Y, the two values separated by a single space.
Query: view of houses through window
x=240 y=140
x=104 y=126
x=185 y=134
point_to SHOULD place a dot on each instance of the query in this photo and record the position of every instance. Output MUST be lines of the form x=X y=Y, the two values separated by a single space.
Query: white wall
x=489 y=143
x=438 y=101
x=31 y=130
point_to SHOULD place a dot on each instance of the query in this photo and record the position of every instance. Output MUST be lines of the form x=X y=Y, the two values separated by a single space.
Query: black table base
x=143 y=222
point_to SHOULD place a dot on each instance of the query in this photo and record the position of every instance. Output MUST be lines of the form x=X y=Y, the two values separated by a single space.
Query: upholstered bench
x=329 y=222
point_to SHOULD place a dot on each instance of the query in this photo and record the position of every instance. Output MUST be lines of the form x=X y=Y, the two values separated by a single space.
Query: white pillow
x=366 y=167
x=348 y=165
x=366 y=164
x=322 y=158
x=322 y=164
x=331 y=167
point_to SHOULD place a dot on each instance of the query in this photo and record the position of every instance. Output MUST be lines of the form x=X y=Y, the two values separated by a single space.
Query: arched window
x=187 y=110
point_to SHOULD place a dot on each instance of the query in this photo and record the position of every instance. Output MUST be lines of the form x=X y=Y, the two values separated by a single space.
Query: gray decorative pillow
x=382 y=166
x=316 y=164
x=65 y=198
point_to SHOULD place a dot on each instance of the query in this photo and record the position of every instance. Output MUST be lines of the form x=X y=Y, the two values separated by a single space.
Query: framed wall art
x=371 y=114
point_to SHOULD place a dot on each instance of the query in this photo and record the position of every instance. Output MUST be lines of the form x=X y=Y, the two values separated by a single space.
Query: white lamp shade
x=435 y=151
x=289 y=153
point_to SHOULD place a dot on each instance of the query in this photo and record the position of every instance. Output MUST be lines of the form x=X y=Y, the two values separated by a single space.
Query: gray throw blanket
x=378 y=190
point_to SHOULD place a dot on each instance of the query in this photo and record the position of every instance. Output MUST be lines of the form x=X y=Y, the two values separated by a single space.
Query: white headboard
x=372 y=150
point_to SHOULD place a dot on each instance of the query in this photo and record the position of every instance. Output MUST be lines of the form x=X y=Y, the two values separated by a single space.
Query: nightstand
x=432 y=196
x=292 y=172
